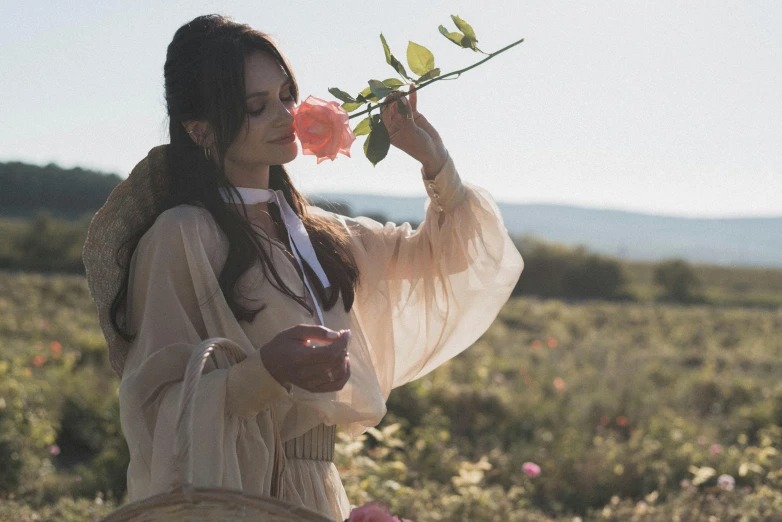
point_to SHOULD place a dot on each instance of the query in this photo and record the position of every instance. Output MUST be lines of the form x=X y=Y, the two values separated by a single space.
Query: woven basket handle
x=187 y=401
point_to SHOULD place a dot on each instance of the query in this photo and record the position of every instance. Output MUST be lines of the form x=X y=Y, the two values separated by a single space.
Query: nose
x=286 y=118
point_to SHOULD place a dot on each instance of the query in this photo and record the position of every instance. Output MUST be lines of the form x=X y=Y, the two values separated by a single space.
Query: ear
x=198 y=131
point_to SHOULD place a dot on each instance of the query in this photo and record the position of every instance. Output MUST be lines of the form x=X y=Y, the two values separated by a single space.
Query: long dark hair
x=204 y=80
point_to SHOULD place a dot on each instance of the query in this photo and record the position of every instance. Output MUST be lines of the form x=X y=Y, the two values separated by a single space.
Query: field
x=632 y=410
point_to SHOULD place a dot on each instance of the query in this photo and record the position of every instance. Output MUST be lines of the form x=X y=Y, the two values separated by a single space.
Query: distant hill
x=629 y=235
x=71 y=193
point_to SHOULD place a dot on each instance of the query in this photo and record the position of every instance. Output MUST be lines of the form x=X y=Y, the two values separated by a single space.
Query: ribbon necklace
x=297 y=234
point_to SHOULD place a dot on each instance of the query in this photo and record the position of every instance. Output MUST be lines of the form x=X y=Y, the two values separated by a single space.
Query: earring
x=207 y=154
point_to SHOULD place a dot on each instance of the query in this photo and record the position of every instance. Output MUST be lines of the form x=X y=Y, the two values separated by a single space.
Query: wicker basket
x=187 y=503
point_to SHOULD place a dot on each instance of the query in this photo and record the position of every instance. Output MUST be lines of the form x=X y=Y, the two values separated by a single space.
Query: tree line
x=46 y=243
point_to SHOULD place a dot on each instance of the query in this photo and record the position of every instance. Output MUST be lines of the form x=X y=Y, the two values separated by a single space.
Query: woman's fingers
x=304 y=355
x=317 y=375
x=413 y=98
x=340 y=375
x=313 y=332
x=310 y=365
x=306 y=371
x=290 y=357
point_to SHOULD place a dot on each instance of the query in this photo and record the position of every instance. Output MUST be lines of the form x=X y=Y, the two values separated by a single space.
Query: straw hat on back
x=132 y=206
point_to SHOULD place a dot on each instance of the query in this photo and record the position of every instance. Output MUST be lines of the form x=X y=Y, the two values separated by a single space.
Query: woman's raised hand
x=292 y=358
x=413 y=133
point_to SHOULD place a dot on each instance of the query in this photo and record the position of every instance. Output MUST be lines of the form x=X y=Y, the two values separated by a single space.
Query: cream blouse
x=424 y=296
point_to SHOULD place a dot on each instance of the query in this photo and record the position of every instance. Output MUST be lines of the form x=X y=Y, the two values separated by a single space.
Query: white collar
x=297 y=234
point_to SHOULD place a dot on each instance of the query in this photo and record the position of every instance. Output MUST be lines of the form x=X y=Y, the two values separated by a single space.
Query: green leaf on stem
x=378 y=142
x=464 y=27
x=455 y=37
x=342 y=95
x=469 y=43
x=400 y=68
x=428 y=76
x=419 y=58
x=389 y=56
x=391 y=60
x=362 y=127
x=366 y=95
x=393 y=83
x=379 y=89
x=350 y=107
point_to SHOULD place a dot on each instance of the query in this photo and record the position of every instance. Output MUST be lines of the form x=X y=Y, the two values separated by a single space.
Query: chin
x=292 y=156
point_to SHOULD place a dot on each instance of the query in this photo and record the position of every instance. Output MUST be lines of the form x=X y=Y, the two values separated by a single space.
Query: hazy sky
x=667 y=107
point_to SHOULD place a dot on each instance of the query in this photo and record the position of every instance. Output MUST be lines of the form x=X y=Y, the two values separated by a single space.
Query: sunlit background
x=634 y=152
x=661 y=107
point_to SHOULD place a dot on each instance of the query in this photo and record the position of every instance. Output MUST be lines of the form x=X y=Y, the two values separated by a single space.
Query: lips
x=290 y=134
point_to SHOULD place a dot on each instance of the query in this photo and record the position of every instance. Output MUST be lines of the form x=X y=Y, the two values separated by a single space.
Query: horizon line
x=560 y=204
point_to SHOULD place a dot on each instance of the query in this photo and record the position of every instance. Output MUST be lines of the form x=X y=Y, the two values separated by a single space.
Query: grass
x=631 y=410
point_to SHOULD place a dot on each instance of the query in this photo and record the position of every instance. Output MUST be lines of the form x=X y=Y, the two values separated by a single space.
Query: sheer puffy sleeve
x=174 y=302
x=425 y=295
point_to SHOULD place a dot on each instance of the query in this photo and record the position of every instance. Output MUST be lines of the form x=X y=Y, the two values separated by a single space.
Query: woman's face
x=269 y=115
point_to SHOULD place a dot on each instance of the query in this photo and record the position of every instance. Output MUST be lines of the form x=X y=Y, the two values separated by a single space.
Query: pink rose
x=322 y=128
x=531 y=469
x=372 y=512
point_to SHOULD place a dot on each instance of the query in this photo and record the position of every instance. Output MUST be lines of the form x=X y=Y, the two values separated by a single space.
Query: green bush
x=46 y=244
x=557 y=271
x=678 y=281
x=595 y=277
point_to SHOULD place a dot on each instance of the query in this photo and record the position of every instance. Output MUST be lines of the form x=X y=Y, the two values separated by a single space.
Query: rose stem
x=419 y=87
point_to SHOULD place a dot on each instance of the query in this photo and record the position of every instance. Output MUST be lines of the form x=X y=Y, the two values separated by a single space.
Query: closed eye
x=259 y=111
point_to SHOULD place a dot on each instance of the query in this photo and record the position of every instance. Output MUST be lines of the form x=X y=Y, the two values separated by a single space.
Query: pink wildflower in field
x=39 y=360
x=551 y=343
x=54 y=449
x=537 y=344
x=715 y=449
x=559 y=384
x=701 y=440
x=726 y=482
x=373 y=512
x=531 y=469
x=622 y=421
x=56 y=349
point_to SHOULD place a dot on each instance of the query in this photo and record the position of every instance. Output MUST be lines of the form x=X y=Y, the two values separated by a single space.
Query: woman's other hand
x=291 y=357
x=412 y=133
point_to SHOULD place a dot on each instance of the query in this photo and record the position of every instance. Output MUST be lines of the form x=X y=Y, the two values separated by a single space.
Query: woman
x=349 y=308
